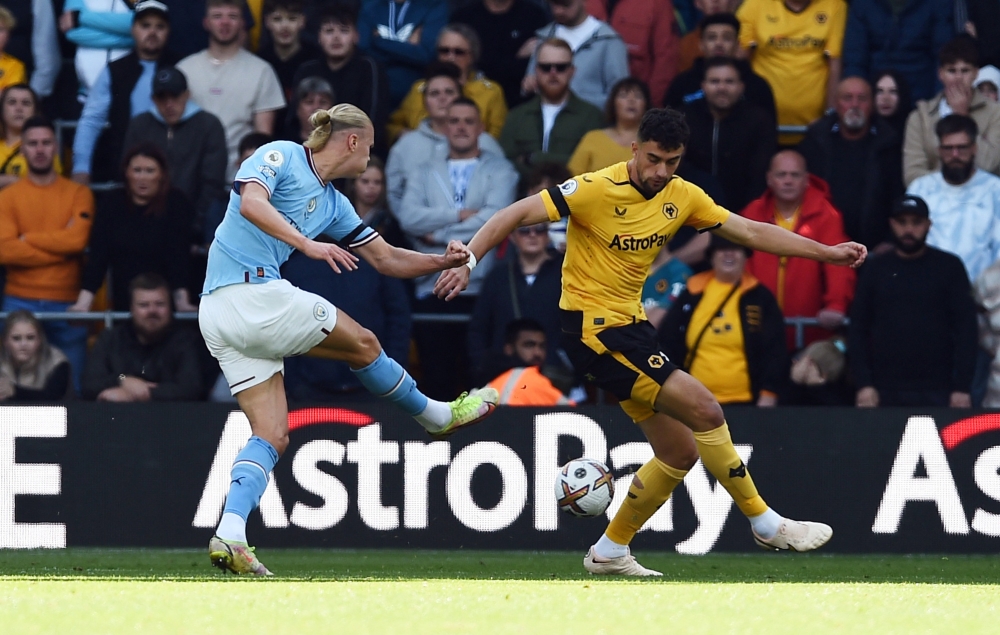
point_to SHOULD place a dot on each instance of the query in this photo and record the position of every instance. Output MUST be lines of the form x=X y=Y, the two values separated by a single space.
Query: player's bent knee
x=707 y=412
x=367 y=348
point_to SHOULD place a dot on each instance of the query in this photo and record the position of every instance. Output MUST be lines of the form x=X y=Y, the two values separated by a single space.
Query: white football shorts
x=251 y=328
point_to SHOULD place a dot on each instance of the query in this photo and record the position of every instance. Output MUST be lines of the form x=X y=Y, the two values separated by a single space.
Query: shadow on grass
x=379 y=565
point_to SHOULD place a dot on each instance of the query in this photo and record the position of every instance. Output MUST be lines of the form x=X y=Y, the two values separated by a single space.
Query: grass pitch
x=157 y=591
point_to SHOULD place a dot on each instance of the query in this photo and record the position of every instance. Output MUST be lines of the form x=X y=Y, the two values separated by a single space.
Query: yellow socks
x=651 y=487
x=719 y=456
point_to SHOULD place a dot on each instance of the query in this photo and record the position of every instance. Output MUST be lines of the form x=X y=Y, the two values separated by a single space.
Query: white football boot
x=796 y=535
x=624 y=565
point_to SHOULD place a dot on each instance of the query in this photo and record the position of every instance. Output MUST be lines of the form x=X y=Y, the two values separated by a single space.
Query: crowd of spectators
x=122 y=124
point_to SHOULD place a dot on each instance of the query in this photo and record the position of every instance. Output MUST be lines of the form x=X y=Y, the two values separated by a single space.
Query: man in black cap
x=912 y=337
x=193 y=140
x=122 y=91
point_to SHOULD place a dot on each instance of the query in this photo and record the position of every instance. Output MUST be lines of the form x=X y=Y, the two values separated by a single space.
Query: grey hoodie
x=420 y=146
x=600 y=61
x=195 y=148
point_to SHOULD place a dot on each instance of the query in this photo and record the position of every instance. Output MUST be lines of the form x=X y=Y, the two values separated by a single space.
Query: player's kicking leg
x=692 y=424
x=350 y=342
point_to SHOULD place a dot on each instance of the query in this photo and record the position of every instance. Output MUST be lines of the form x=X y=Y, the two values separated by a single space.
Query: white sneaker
x=796 y=535
x=625 y=565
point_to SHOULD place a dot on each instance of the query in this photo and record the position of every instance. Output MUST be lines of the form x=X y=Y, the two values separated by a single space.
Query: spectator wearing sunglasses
x=459 y=45
x=599 y=53
x=548 y=128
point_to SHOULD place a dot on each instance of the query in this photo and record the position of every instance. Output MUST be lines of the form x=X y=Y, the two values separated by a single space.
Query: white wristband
x=472 y=261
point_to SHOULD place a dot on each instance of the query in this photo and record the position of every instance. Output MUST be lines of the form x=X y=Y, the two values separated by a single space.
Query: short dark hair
x=148 y=281
x=956 y=123
x=443 y=69
x=289 y=6
x=239 y=4
x=626 y=83
x=37 y=121
x=554 y=172
x=462 y=100
x=719 y=62
x=514 y=329
x=719 y=18
x=961 y=48
x=665 y=126
x=252 y=141
x=339 y=12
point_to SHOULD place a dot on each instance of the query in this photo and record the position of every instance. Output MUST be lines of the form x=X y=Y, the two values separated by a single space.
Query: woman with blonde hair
x=251 y=319
x=30 y=368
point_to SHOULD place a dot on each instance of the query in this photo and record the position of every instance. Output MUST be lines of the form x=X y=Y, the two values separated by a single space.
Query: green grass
x=175 y=591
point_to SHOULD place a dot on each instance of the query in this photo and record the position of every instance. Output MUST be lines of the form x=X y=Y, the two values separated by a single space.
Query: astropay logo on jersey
x=413 y=462
x=922 y=444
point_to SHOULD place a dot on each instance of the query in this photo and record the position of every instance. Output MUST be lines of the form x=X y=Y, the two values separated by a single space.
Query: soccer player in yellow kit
x=619 y=219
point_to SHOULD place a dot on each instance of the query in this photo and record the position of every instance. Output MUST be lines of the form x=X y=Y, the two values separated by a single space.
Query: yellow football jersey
x=613 y=236
x=792 y=50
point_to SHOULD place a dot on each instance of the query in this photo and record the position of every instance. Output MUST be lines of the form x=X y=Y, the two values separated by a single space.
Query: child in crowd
x=284 y=20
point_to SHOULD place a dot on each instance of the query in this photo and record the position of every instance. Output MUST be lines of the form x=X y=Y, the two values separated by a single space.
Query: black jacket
x=173 y=363
x=913 y=324
x=763 y=332
x=129 y=242
x=686 y=88
x=495 y=307
x=125 y=73
x=361 y=82
x=883 y=176
x=736 y=150
x=196 y=154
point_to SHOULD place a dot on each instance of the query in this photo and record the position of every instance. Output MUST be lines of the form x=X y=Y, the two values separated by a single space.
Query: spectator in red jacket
x=651 y=36
x=801 y=203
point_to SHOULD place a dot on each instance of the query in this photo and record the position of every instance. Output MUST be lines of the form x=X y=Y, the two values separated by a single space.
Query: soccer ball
x=584 y=487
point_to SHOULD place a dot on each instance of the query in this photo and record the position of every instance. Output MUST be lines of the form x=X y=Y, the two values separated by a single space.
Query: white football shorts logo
x=568 y=187
x=320 y=312
x=311 y=206
x=274 y=158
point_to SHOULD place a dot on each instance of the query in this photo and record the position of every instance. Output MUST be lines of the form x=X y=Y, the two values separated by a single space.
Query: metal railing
x=110 y=317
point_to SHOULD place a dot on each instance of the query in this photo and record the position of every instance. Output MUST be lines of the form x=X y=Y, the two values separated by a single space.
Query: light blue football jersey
x=242 y=252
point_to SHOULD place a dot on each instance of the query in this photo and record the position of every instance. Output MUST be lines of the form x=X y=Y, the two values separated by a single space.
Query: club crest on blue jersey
x=311 y=206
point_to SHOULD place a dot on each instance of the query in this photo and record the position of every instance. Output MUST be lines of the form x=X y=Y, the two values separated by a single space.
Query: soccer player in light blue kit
x=251 y=319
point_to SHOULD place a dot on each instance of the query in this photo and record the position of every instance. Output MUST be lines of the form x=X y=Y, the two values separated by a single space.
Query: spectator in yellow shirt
x=627 y=102
x=457 y=44
x=11 y=68
x=796 y=46
x=18 y=103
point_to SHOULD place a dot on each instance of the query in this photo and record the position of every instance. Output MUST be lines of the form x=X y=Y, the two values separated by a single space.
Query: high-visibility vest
x=528 y=387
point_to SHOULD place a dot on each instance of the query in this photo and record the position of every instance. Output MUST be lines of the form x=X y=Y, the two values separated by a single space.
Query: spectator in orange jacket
x=801 y=203
x=44 y=226
x=524 y=384
x=651 y=36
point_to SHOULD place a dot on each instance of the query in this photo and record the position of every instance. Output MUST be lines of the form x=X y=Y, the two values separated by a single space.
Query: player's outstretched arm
x=404 y=263
x=255 y=206
x=527 y=211
x=773 y=239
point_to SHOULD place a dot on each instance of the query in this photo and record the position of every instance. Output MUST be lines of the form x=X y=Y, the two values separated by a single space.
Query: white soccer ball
x=584 y=487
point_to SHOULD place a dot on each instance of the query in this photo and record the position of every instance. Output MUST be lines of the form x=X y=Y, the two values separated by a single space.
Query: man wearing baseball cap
x=192 y=139
x=122 y=91
x=912 y=337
